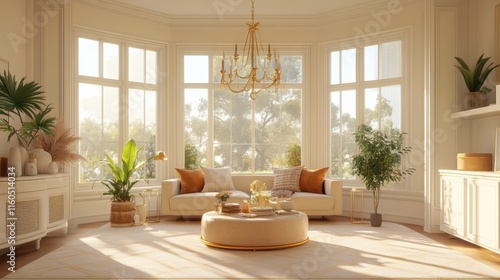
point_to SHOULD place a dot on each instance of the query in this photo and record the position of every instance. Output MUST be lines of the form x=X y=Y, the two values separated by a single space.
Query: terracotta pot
x=122 y=214
x=375 y=219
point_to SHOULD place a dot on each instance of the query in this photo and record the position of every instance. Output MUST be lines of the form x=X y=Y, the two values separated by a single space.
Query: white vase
x=15 y=161
x=24 y=158
x=140 y=209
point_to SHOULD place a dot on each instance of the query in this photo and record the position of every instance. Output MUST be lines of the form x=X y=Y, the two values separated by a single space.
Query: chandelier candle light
x=252 y=72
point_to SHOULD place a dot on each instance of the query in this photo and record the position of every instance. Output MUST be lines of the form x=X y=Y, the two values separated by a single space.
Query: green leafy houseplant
x=120 y=185
x=475 y=78
x=22 y=104
x=379 y=159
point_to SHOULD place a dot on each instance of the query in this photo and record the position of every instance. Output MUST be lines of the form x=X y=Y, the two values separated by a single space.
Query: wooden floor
x=26 y=253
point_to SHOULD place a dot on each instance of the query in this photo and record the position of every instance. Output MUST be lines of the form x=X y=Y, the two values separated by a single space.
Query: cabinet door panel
x=483 y=207
x=453 y=205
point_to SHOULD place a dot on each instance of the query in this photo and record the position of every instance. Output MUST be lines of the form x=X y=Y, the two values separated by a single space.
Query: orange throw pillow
x=312 y=180
x=192 y=181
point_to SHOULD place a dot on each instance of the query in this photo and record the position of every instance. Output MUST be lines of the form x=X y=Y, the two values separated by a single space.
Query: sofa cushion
x=217 y=179
x=287 y=179
x=312 y=180
x=304 y=201
x=191 y=180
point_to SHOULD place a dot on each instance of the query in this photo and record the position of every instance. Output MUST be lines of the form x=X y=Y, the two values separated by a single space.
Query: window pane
x=136 y=65
x=142 y=128
x=391 y=60
x=151 y=67
x=196 y=69
x=372 y=108
x=291 y=68
x=348 y=66
x=343 y=125
x=278 y=125
x=371 y=63
x=217 y=64
x=111 y=61
x=335 y=68
x=195 y=127
x=391 y=102
x=98 y=127
x=88 y=57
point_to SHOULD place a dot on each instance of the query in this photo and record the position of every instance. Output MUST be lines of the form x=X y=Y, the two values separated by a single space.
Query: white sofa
x=196 y=204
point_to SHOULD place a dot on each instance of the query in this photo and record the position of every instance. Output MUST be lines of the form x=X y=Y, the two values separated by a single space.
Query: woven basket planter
x=122 y=214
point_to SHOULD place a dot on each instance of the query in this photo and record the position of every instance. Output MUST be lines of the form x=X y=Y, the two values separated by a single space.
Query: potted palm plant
x=23 y=112
x=121 y=183
x=379 y=162
x=474 y=78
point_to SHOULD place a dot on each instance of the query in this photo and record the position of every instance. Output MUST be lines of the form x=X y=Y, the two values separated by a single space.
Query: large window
x=365 y=86
x=118 y=90
x=218 y=123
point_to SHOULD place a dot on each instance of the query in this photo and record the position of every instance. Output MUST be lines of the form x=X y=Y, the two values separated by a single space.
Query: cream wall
x=13 y=50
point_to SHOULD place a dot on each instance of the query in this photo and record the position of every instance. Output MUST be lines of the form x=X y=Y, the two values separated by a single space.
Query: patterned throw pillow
x=191 y=180
x=287 y=179
x=312 y=180
x=217 y=179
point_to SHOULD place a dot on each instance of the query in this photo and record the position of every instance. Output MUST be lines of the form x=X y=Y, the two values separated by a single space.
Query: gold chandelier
x=251 y=71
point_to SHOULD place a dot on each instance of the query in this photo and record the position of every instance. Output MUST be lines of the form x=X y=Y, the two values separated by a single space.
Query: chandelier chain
x=253 y=10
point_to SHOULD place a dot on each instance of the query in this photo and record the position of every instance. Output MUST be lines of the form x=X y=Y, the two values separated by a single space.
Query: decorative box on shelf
x=474 y=162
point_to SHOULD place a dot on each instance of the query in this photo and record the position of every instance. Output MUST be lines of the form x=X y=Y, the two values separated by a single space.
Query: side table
x=148 y=194
x=354 y=192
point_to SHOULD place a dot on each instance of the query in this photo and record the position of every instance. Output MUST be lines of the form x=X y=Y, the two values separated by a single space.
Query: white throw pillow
x=217 y=179
x=287 y=179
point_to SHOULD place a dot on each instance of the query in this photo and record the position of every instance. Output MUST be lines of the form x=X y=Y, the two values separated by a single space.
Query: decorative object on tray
x=223 y=196
x=474 y=80
x=246 y=207
x=262 y=211
x=231 y=208
x=259 y=195
x=218 y=207
x=283 y=212
x=287 y=205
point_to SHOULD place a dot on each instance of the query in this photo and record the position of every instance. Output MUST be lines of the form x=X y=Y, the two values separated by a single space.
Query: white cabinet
x=40 y=206
x=470 y=206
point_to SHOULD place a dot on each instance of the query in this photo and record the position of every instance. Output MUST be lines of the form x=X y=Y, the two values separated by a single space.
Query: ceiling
x=242 y=7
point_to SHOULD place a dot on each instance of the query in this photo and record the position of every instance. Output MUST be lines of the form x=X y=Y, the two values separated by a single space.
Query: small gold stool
x=354 y=220
x=148 y=193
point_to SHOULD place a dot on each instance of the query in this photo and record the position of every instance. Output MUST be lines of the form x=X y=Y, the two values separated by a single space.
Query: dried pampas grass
x=59 y=144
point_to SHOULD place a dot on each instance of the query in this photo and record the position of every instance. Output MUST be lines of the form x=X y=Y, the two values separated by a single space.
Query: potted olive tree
x=474 y=78
x=379 y=162
x=121 y=183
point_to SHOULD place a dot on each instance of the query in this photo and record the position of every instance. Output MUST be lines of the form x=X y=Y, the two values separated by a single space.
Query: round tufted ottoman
x=258 y=233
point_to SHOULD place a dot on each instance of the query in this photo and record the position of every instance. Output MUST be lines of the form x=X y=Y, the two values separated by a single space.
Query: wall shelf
x=487 y=111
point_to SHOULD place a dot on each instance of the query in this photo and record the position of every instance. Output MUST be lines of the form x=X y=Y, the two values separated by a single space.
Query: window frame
x=123 y=85
x=360 y=85
x=216 y=50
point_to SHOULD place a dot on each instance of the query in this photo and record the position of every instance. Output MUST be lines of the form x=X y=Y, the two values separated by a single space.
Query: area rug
x=173 y=250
